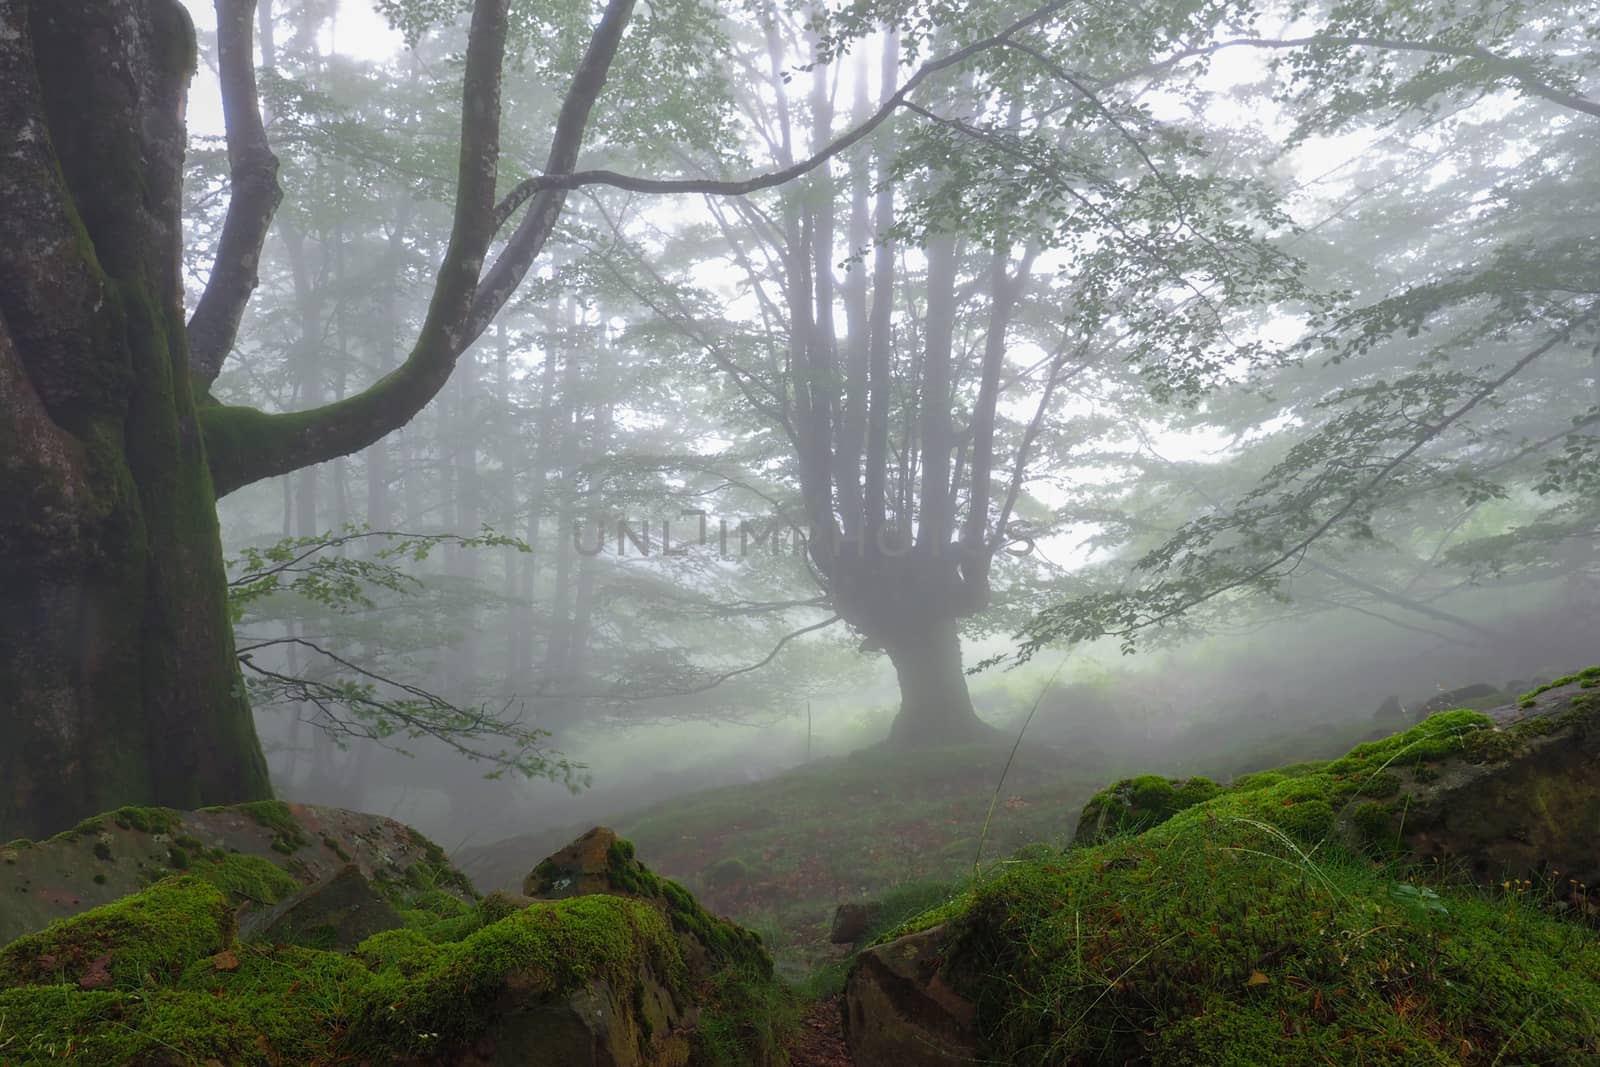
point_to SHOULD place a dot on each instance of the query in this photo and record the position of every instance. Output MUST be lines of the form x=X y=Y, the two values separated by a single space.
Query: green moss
x=336 y=848
x=1134 y=805
x=1587 y=678
x=728 y=944
x=398 y=998
x=146 y=820
x=83 y=829
x=1195 y=943
x=497 y=906
x=276 y=816
x=434 y=871
x=749 y=1015
x=405 y=950
x=102 y=851
x=1377 y=828
x=559 y=946
x=245 y=878
x=149 y=938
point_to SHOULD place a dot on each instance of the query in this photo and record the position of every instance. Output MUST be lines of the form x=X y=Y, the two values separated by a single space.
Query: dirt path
x=820 y=1041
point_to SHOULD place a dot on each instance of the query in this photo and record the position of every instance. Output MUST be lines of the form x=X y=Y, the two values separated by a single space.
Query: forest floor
x=819 y=1040
x=905 y=830
x=780 y=854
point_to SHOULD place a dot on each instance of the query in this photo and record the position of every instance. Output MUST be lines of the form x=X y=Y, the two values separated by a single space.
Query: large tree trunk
x=117 y=666
x=909 y=602
x=935 y=706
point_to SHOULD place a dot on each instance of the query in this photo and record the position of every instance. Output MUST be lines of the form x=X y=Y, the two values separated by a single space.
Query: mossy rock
x=601 y=862
x=145 y=940
x=159 y=978
x=1256 y=929
x=257 y=853
x=1134 y=805
x=1227 y=943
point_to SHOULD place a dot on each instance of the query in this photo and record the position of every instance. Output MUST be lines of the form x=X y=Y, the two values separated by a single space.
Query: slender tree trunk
x=117 y=663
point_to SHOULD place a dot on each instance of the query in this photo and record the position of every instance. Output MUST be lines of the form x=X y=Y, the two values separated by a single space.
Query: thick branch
x=245 y=445
x=253 y=198
x=1003 y=298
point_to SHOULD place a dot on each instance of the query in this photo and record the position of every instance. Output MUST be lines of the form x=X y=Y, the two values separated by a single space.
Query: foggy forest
x=896 y=533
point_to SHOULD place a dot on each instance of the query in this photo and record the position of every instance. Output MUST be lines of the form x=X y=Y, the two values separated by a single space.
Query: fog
x=1194 y=403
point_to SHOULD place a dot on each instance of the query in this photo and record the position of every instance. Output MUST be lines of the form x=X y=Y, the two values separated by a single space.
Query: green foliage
x=313 y=568
x=359 y=702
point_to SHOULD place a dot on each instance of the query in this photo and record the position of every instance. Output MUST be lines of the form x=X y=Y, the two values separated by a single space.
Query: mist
x=843 y=449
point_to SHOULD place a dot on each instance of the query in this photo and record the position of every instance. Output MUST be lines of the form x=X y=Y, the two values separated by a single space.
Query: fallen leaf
x=225 y=960
x=1257 y=978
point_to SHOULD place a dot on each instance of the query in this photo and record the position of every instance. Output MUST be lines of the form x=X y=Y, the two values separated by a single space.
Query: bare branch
x=718 y=679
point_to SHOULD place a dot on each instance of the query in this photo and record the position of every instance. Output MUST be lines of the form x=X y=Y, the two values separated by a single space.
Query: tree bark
x=116 y=650
x=935 y=706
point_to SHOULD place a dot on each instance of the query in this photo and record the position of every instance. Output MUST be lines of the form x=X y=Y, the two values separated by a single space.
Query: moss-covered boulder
x=601 y=862
x=257 y=853
x=1134 y=805
x=1294 y=918
x=145 y=940
x=338 y=912
x=1512 y=794
x=598 y=980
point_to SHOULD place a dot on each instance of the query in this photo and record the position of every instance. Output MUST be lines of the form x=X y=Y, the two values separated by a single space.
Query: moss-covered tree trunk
x=118 y=682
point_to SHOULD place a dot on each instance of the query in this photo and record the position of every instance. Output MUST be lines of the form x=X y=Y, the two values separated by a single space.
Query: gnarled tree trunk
x=909 y=601
x=935 y=706
x=118 y=682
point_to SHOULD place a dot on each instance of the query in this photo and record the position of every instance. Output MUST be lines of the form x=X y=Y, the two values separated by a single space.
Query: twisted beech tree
x=116 y=657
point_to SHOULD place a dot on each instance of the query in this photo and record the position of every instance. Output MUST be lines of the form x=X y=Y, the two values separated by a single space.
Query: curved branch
x=1297 y=551
x=743 y=186
x=254 y=196
x=245 y=445
x=718 y=679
